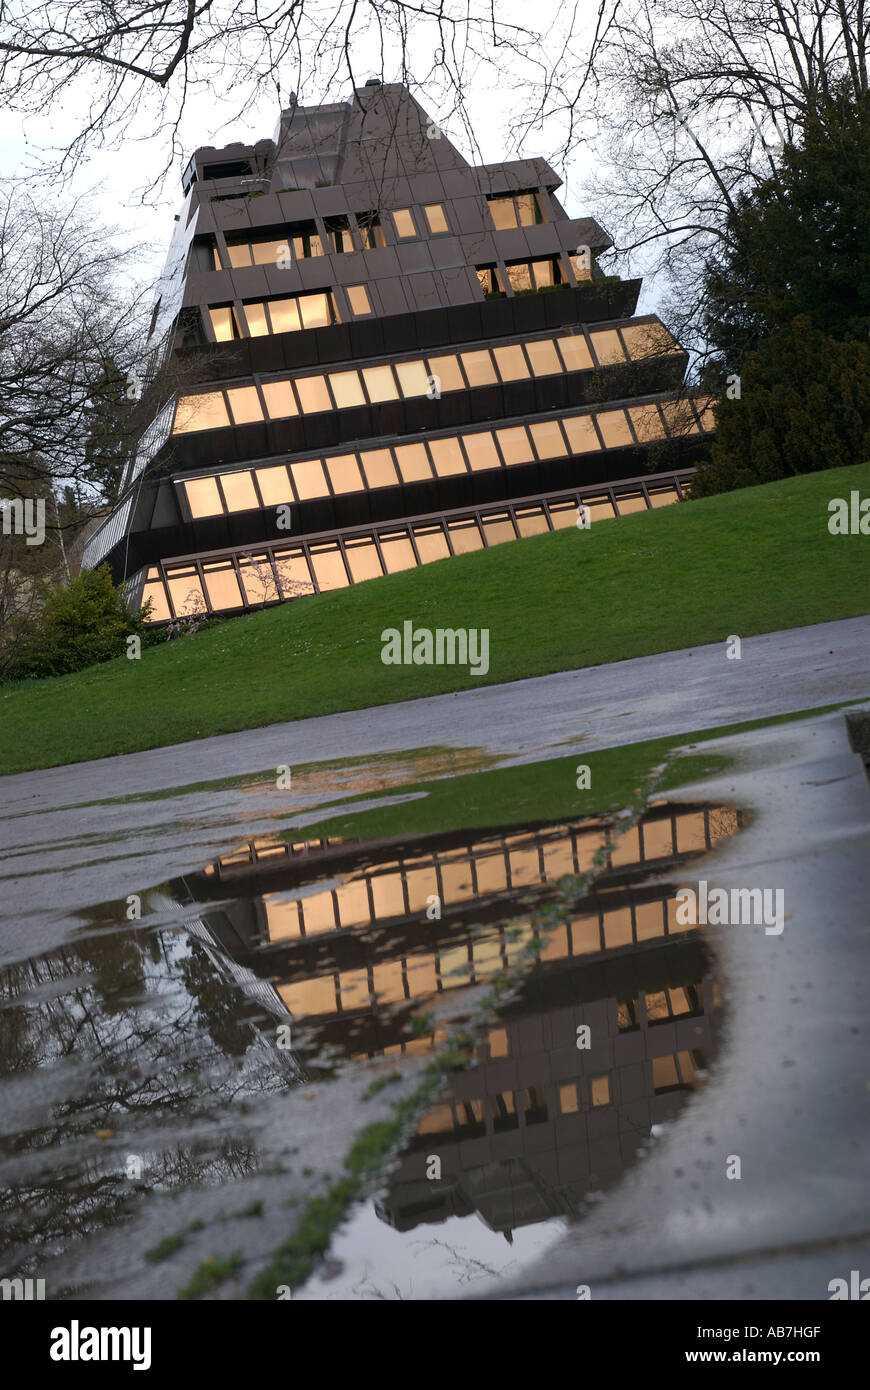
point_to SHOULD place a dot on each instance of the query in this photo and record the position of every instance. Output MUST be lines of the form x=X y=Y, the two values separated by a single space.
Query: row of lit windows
x=525 y=276
x=429 y=376
x=468 y=962
x=278 y=484
x=287 y=315
x=655 y=837
x=284 y=572
x=301 y=240
x=456 y=876
x=501 y=1111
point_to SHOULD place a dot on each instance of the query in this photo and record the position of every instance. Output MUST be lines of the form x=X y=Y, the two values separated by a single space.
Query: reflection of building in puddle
x=539 y=1122
x=342 y=931
x=345 y=931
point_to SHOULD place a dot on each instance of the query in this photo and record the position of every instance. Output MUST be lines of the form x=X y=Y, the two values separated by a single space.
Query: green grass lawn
x=747 y=562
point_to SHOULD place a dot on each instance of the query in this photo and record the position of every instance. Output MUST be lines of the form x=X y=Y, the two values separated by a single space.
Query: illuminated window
x=568 y=1103
x=608 y=348
x=331 y=574
x=294 y=577
x=679 y=417
x=580 y=430
x=309 y=479
x=258 y=326
x=490 y=280
x=647 y=423
x=364 y=562
x=515 y=210
x=315 y=310
x=531 y=521
x=575 y=353
x=511 y=363
x=481 y=451
x=706 y=410
x=662 y=496
x=478 y=368
x=519 y=277
x=614 y=429
x=185 y=591
x=203 y=497
x=397 y=551
x=271 y=252
x=599 y=508
x=465 y=537
x=159 y=605
x=207 y=411
x=431 y=543
x=548 y=440
x=626 y=504
x=280 y=401
x=224 y=323
x=239 y=255
x=258 y=579
x=413 y=378
x=436 y=219
x=503 y=213
x=546 y=272
x=648 y=340
x=599 y=1088
x=346 y=389
x=378 y=467
x=371 y=231
x=582 y=267
x=222 y=585
x=447 y=457
x=344 y=473
x=284 y=315
x=515 y=445
x=274 y=485
x=358 y=299
x=380 y=384
x=447 y=370
x=245 y=404
x=239 y=492
x=413 y=463
x=543 y=357
x=665 y=1076
x=498 y=528
x=313 y=395
x=404 y=223
x=563 y=515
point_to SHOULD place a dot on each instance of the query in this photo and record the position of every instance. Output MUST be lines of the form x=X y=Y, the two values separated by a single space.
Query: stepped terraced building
x=392 y=357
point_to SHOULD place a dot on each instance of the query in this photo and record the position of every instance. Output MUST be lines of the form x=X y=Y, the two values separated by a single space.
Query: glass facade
x=290 y=569
x=411 y=378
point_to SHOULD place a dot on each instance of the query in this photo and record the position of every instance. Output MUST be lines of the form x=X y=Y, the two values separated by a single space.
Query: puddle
x=179 y=1077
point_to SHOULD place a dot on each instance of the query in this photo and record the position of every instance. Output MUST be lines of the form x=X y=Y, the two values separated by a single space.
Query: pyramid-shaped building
x=399 y=357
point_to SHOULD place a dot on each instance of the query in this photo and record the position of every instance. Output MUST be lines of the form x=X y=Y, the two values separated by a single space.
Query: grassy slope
x=747 y=562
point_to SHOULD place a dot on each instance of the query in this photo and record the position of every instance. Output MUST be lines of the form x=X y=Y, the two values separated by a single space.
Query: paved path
x=596 y=707
x=65 y=844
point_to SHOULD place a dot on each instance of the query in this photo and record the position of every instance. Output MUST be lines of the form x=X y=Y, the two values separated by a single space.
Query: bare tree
x=124 y=57
x=687 y=104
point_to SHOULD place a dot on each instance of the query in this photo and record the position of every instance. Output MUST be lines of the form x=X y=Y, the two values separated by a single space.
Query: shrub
x=78 y=624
